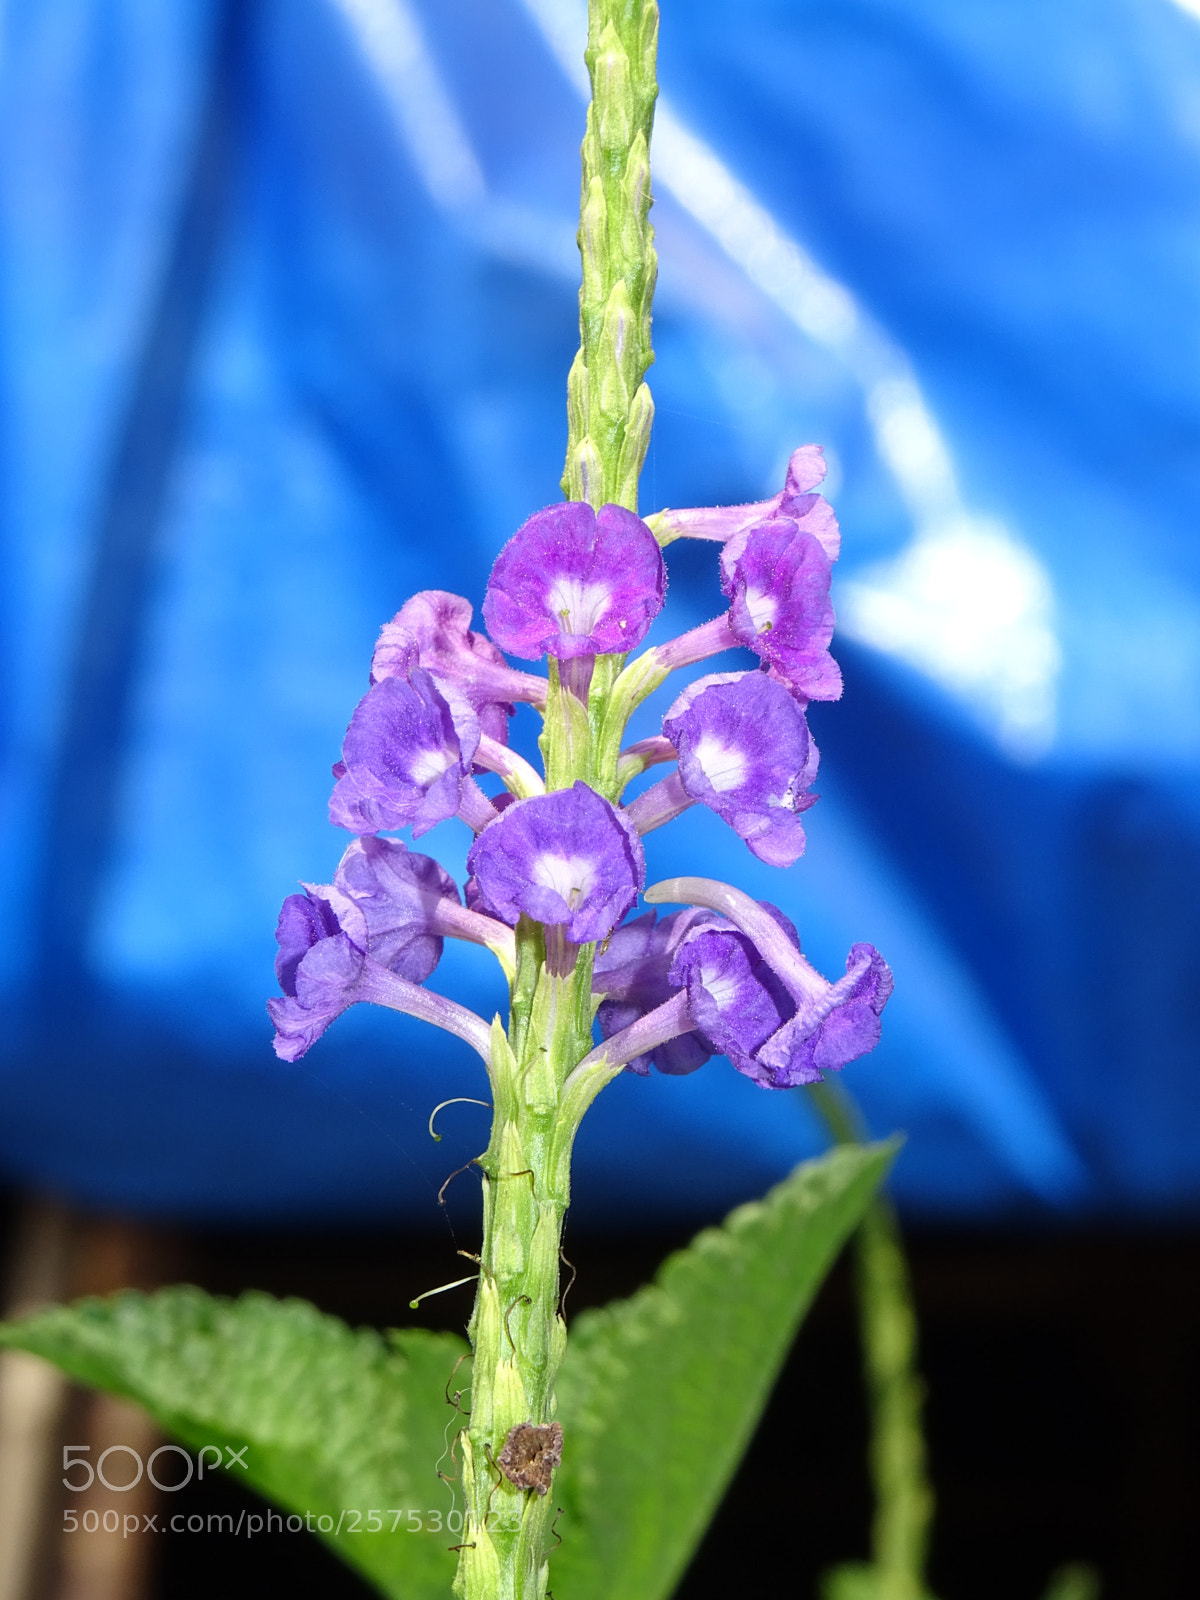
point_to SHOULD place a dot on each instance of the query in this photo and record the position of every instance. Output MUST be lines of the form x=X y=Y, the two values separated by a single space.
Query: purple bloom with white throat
x=631 y=973
x=568 y=859
x=821 y=1025
x=376 y=935
x=745 y=752
x=410 y=904
x=433 y=631
x=777 y=578
x=406 y=758
x=575 y=582
x=683 y=990
x=795 y=501
x=734 y=998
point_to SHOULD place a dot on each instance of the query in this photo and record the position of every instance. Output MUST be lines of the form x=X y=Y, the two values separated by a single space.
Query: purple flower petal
x=777 y=577
x=806 y=470
x=366 y=938
x=566 y=859
x=821 y=1026
x=399 y=894
x=736 y=1000
x=631 y=973
x=433 y=631
x=322 y=937
x=812 y=512
x=575 y=582
x=814 y=515
x=836 y=1026
x=745 y=752
x=406 y=756
x=410 y=904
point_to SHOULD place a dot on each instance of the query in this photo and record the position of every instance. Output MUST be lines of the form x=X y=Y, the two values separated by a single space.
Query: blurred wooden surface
x=32 y=1401
x=56 y=1254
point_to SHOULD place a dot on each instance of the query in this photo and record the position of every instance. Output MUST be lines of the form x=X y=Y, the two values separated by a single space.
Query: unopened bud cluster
x=608 y=404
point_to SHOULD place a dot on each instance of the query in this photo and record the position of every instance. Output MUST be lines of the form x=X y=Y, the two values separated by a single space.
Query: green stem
x=888 y=1328
x=517 y=1334
x=609 y=408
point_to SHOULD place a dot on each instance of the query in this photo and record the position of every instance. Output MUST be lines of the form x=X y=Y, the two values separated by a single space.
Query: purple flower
x=400 y=895
x=834 y=1022
x=322 y=938
x=374 y=934
x=745 y=752
x=734 y=998
x=819 y=1026
x=568 y=859
x=575 y=582
x=432 y=630
x=406 y=757
x=631 y=973
x=386 y=907
x=811 y=512
x=777 y=578
x=411 y=904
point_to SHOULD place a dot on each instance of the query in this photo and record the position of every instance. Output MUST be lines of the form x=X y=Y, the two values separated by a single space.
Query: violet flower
x=745 y=752
x=322 y=938
x=407 y=759
x=777 y=578
x=411 y=903
x=567 y=859
x=329 y=958
x=822 y=1025
x=734 y=998
x=433 y=631
x=575 y=582
x=399 y=895
x=795 y=501
x=631 y=973
x=683 y=996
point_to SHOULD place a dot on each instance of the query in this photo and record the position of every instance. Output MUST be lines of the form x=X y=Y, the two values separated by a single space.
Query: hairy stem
x=517 y=1334
x=609 y=408
x=888 y=1329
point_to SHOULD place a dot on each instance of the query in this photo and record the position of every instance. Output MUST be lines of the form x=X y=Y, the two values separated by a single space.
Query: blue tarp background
x=287 y=301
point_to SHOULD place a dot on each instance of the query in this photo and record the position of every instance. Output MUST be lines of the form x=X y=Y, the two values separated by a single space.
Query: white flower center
x=578 y=605
x=788 y=799
x=724 y=767
x=723 y=990
x=427 y=766
x=569 y=876
x=762 y=607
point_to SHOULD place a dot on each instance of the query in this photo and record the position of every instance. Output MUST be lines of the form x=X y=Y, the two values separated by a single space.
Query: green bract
x=608 y=405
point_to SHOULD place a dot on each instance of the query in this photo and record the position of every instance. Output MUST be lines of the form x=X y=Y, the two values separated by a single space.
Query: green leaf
x=859 y=1580
x=854 y=1580
x=335 y=1421
x=1074 y=1582
x=659 y=1395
